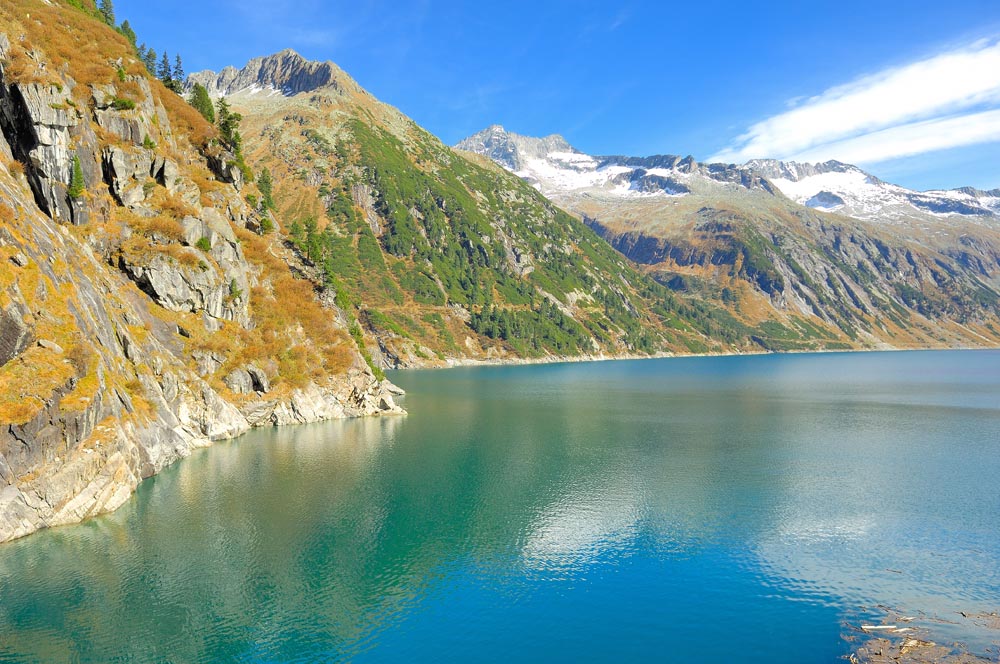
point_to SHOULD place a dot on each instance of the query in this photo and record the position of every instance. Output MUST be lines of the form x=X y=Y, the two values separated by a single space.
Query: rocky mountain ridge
x=846 y=189
x=286 y=73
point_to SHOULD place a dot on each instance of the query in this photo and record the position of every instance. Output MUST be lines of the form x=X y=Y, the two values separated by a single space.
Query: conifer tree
x=202 y=102
x=76 y=184
x=126 y=30
x=229 y=125
x=148 y=57
x=107 y=12
x=265 y=185
x=178 y=70
x=164 y=72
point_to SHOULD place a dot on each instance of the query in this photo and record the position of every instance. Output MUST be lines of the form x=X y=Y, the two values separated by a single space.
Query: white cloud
x=949 y=100
x=910 y=139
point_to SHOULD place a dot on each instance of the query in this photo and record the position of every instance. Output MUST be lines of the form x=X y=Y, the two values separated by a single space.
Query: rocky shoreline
x=902 y=639
x=100 y=472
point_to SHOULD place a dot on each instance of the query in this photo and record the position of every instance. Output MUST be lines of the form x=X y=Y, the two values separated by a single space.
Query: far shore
x=452 y=363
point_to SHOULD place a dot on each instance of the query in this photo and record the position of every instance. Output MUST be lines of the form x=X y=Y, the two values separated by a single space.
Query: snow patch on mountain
x=553 y=166
x=849 y=190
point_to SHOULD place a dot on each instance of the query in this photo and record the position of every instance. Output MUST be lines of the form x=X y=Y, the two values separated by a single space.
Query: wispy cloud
x=949 y=100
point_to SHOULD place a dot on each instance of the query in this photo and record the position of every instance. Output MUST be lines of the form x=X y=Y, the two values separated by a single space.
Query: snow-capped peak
x=556 y=168
x=837 y=187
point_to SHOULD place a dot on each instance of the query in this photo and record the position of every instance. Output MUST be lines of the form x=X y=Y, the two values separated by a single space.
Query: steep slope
x=920 y=269
x=140 y=314
x=436 y=256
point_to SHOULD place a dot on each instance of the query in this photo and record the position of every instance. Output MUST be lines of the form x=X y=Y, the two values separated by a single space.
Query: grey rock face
x=127 y=172
x=223 y=164
x=510 y=149
x=247 y=380
x=15 y=333
x=286 y=72
x=259 y=379
x=239 y=381
x=181 y=288
x=36 y=120
x=132 y=125
x=825 y=200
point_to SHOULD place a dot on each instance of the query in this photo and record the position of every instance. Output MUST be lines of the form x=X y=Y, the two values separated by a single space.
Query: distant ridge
x=557 y=168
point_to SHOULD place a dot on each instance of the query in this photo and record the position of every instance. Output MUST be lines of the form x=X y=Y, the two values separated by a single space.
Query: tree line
x=171 y=74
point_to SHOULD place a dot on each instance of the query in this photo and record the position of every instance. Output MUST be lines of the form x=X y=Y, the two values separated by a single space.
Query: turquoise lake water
x=742 y=509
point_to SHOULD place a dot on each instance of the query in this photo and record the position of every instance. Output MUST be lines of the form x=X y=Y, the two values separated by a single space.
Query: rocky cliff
x=141 y=315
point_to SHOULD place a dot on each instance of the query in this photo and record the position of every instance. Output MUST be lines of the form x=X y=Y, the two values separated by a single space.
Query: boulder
x=50 y=345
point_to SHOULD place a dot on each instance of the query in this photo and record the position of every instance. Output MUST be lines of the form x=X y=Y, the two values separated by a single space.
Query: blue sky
x=909 y=90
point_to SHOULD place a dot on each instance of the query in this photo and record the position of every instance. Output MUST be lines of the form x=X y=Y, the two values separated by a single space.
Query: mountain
x=142 y=311
x=286 y=73
x=434 y=256
x=555 y=167
x=773 y=241
x=847 y=189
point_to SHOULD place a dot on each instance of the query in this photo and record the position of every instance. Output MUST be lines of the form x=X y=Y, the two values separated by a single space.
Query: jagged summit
x=285 y=72
x=513 y=150
x=554 y=167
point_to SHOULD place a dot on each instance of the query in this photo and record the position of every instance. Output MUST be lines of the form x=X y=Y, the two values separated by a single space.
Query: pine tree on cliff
x=202 y=102
x=164 y=72
x=76 y=184
x=108 y=12
x=229 y=127
x=148 y=57
x=178 y=70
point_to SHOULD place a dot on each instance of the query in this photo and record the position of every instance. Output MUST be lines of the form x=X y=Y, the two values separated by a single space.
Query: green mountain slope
x=435 y=255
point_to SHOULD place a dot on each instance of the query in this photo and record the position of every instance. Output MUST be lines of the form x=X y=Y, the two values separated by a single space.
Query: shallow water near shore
x=747 y=509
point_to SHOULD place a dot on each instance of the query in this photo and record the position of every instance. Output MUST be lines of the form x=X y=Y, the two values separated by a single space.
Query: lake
x=752 y=509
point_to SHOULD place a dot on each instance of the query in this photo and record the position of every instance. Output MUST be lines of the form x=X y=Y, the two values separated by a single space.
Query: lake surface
x=744 y=509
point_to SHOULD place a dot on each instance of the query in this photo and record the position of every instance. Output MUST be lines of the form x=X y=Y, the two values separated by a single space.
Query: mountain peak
x=510 y=149
x=285 y=72
x=774 y=169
